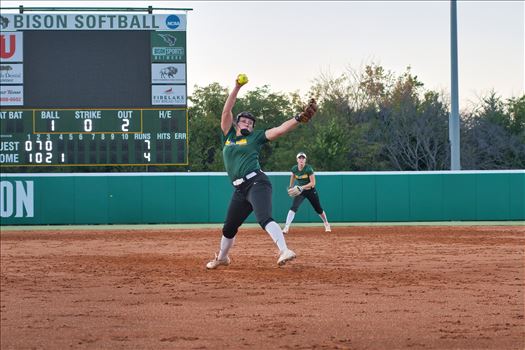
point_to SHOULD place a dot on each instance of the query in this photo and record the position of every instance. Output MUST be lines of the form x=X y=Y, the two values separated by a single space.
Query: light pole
x=453 y=120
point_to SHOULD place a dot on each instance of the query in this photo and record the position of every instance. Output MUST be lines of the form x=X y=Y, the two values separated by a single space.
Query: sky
x=288 y=44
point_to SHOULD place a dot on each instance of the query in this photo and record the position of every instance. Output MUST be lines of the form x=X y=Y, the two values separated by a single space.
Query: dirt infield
x=401 y=287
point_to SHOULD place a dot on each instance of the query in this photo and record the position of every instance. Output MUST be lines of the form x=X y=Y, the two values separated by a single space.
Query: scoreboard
x=93 y=137
x=93 y=90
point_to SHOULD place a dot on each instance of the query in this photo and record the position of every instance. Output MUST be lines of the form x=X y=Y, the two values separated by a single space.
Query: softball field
x=369 y=287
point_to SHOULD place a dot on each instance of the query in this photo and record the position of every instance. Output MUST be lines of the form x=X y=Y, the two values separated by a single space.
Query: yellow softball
x=242 y=79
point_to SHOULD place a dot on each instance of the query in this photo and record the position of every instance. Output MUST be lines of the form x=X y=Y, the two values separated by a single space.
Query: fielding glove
x=294 y=191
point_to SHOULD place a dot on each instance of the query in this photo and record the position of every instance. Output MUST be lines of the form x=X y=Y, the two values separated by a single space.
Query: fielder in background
x=252 y=188
x=302 y=185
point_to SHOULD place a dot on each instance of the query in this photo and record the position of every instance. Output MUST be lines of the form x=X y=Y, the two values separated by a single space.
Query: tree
x=413 y=126
x=205 y=151
x=493 y=135
x=367 y=120
x=516 y=112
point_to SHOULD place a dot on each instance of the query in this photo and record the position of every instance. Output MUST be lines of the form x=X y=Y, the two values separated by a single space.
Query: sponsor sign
x=168 y=73
x=11 y=95
x=168 y=47
x=11 y=47
x=168 y=94
x=11 y=73
x=92 y=21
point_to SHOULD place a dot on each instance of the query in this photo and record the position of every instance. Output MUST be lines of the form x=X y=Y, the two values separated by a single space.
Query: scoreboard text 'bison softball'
x=93 y=89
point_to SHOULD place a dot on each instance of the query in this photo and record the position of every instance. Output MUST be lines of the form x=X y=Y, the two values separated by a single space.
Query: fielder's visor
x=301 y=154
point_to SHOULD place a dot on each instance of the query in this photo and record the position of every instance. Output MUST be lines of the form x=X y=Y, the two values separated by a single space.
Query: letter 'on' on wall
x=17 y=199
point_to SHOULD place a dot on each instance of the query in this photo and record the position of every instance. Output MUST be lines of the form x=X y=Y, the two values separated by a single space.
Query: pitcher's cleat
x=216 y=262
x=286 y=256
x=327 y=228
x=285 y=229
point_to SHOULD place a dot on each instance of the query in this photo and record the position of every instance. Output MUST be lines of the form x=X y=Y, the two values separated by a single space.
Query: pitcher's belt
x=247 y=177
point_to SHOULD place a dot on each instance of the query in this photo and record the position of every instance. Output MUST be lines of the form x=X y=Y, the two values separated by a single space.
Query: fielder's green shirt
x=302 y=177
x=241 y=153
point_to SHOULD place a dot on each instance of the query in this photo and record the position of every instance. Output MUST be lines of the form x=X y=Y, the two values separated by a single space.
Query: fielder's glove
x=308 y=113
x=294 y=191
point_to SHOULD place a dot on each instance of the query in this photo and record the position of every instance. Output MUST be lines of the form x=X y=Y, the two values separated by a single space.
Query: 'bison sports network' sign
x=13 y=22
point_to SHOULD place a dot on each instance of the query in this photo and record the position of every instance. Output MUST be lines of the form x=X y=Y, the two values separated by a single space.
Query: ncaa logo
x=172 y=22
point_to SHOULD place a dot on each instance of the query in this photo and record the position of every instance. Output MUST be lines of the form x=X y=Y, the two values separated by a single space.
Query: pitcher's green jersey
x=302 y=177
x=241 y=153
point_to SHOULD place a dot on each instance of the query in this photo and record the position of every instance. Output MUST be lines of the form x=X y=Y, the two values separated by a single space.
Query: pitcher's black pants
x=254 y=195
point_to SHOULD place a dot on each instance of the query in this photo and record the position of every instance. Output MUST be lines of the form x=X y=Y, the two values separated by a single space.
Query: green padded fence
x=141 y=198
